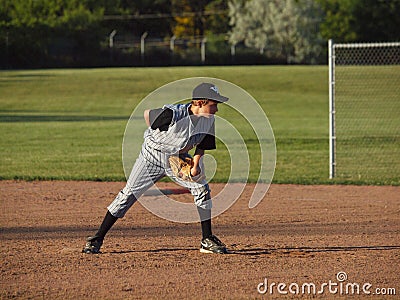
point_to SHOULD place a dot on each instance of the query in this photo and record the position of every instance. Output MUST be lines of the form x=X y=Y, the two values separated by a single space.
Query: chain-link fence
x=365 y=111
x=148 y=50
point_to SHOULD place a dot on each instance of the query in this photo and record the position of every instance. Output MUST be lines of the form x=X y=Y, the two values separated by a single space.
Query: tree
x=217 y=23
x=147 y=17
x=284 y=28
x=193 y=25
x=31 y=27
x=377 y=20
x=339 y=20
x=361 y=20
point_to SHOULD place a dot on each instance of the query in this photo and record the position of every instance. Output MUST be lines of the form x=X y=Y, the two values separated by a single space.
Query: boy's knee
x=203 y=199
x=121 y=204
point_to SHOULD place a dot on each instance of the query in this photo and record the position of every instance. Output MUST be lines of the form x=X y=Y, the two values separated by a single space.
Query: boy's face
x=210 y=108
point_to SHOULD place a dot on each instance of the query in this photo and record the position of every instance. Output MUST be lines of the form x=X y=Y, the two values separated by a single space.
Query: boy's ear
x=202 y=102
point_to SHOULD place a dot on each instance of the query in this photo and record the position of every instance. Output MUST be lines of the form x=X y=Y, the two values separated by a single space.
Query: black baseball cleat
x=212 y=244
x=93 y=245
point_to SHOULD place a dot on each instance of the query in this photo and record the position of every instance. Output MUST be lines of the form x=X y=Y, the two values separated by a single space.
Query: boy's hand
x=195 y=170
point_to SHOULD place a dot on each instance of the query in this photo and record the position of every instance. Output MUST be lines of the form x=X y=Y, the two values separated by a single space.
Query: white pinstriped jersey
x=184 y=133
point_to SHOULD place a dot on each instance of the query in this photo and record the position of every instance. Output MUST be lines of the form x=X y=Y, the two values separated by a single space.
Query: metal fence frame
x=332 y=112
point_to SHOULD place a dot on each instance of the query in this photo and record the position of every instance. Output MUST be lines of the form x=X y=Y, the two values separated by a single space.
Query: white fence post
x=172 y=43
x=203 y=50
x=144 y=35
x=332 y=135
x=111 y=38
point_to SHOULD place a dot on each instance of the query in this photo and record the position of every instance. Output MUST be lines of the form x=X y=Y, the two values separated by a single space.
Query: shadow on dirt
x=308 y=250
x=267 y=251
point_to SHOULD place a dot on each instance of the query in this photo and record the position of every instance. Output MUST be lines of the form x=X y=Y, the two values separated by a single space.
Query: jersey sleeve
x=208 y=142
x=160 y=118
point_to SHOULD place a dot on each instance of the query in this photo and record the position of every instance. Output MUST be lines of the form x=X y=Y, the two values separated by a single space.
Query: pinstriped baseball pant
x=151 y=166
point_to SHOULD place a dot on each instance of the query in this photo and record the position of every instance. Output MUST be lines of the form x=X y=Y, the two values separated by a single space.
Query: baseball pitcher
x=172 y=131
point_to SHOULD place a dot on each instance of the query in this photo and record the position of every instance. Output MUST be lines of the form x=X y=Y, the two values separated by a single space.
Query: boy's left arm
x=195 y=170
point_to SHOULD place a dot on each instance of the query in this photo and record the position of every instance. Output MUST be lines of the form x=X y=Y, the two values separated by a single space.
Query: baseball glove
x=181 y=165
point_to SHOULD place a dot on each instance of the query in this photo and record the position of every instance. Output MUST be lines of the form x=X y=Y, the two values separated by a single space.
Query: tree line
x=50 y=33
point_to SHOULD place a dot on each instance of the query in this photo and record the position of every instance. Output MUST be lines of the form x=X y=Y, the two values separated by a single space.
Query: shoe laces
x=95 y=240
x=216 y=240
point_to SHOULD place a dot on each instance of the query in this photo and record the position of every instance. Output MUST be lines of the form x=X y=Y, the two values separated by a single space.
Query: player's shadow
x=307 y=250
x=295 y=251
x=158 y=250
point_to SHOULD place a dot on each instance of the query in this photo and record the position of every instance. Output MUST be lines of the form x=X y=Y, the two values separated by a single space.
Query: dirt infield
x=299 y=239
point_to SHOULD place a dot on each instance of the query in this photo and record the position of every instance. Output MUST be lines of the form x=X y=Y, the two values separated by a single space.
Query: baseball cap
x=208 y=91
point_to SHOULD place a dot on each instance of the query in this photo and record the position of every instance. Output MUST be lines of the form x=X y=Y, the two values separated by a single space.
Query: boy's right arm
x=146 y=116
x=158 y=118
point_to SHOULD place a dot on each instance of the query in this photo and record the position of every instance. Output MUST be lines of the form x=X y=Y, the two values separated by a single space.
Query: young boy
x=172 y=130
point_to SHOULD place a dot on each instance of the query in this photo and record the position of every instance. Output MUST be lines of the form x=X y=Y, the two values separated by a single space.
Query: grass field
x=69 y=124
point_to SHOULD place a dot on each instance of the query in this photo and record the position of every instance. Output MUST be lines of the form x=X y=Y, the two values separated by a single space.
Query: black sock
x=206 y=228
x=108 y=222
x=205 y=217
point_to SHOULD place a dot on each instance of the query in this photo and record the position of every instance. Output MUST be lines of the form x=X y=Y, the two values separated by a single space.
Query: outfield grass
x=69 y=124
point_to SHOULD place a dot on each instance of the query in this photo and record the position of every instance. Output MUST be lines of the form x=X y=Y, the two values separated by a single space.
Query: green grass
x=69 y=124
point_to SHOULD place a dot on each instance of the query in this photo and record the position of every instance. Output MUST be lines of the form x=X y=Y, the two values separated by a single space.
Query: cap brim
x=219 y=98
